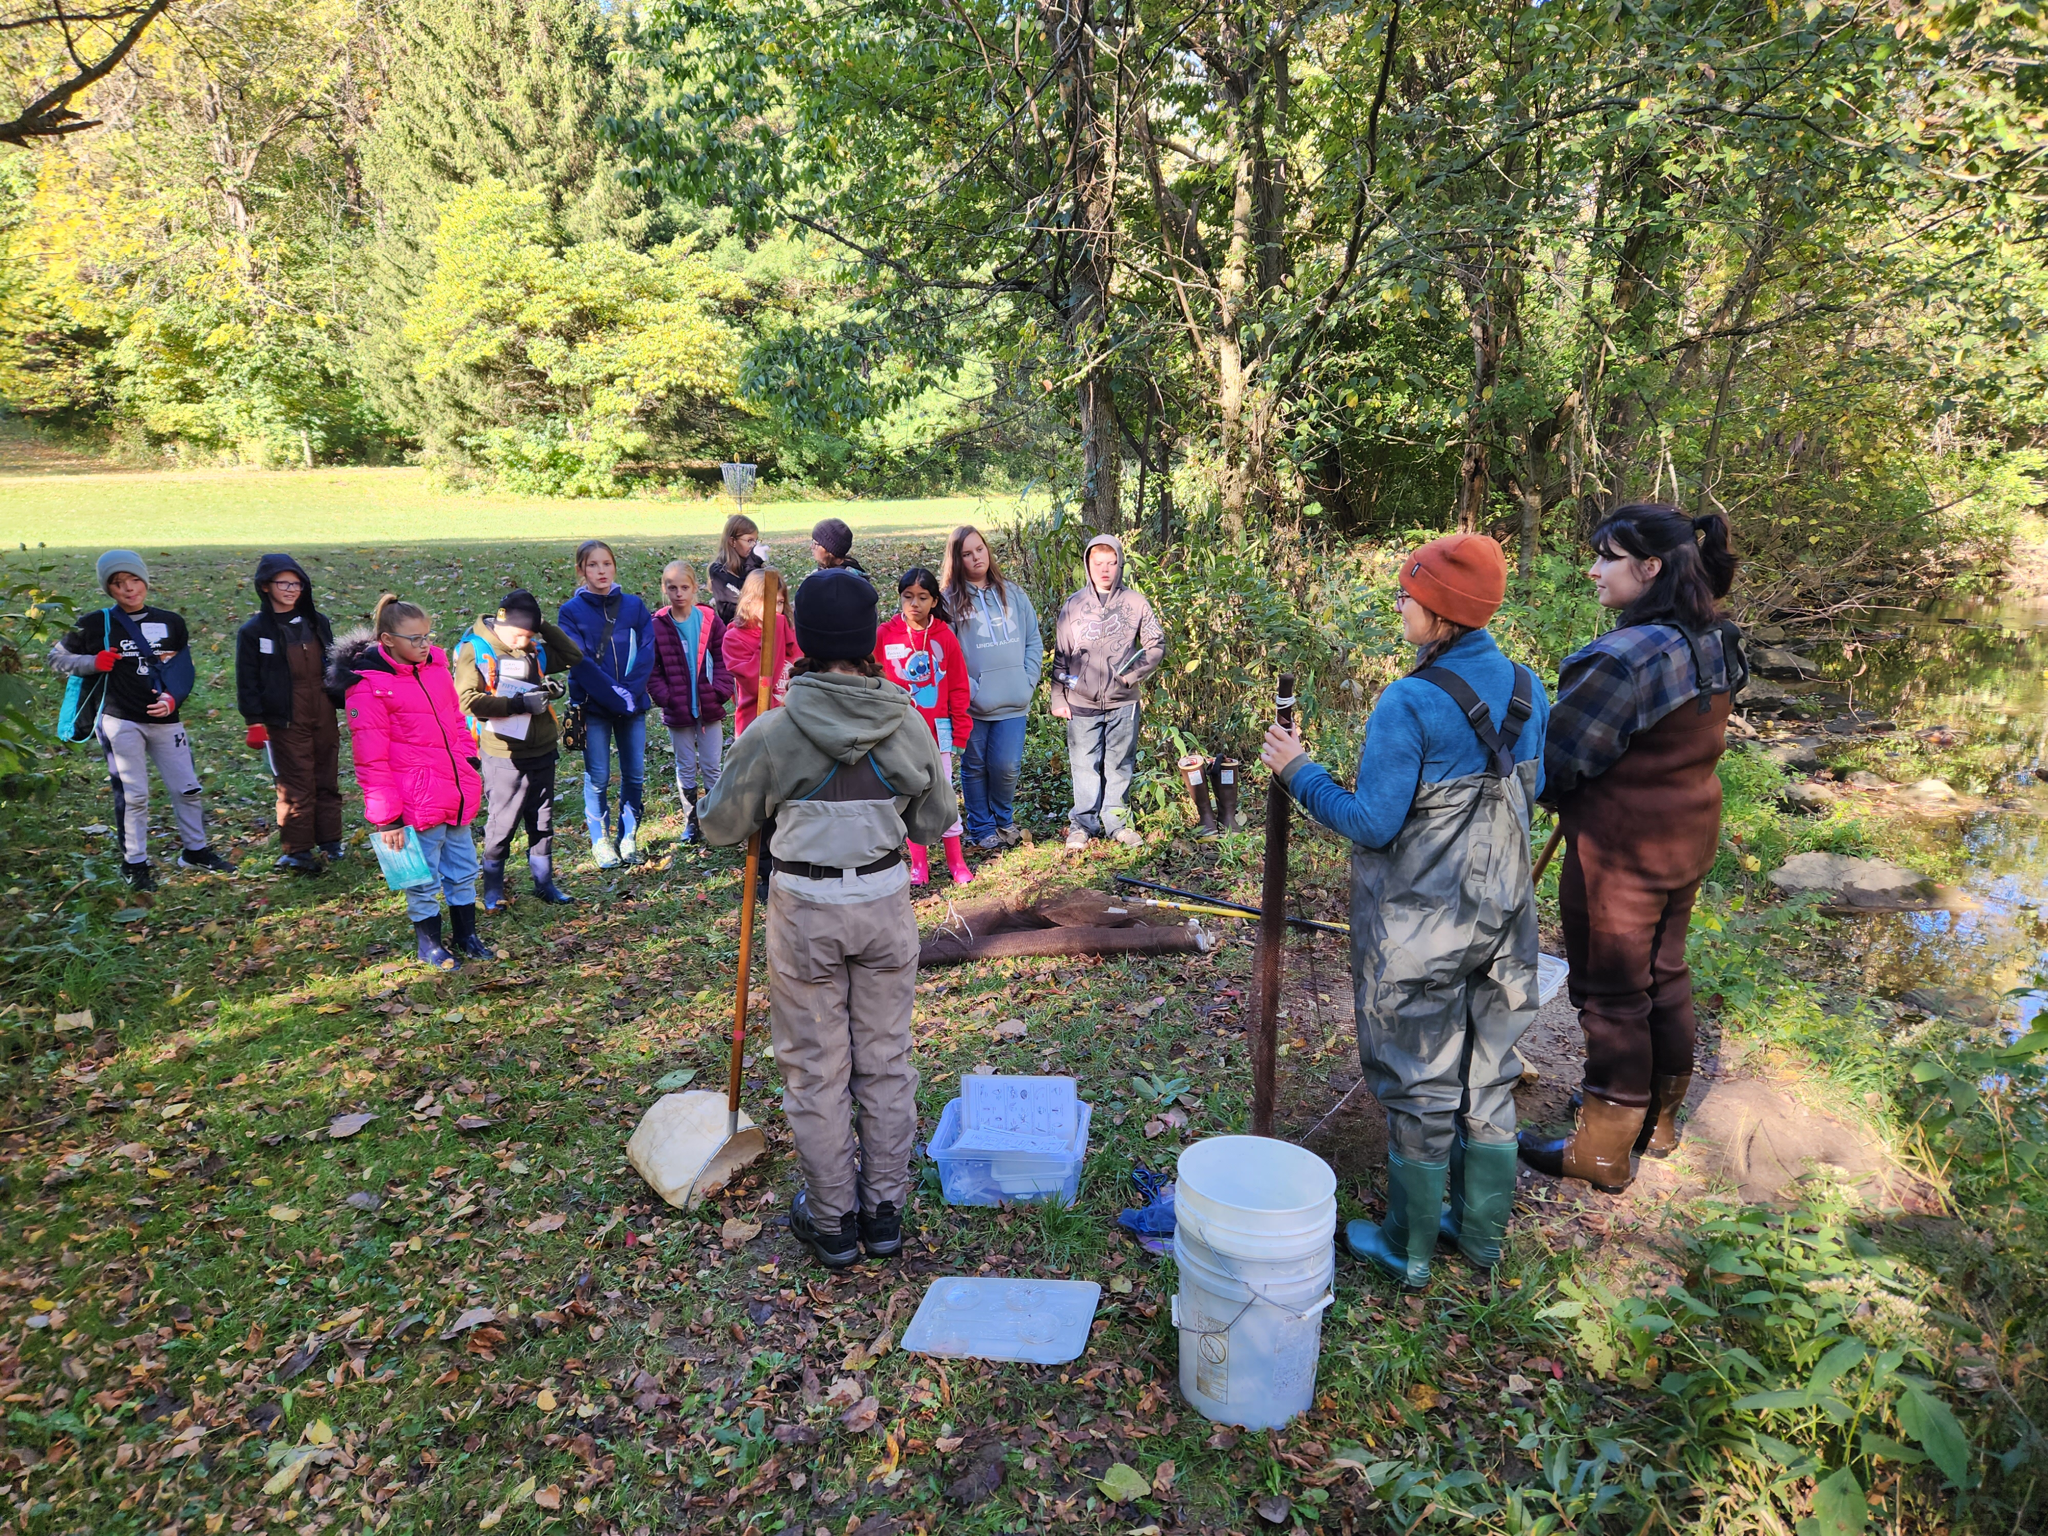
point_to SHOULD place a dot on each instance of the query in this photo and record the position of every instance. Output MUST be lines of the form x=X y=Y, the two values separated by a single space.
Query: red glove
x=257 y=737
x=104 y=661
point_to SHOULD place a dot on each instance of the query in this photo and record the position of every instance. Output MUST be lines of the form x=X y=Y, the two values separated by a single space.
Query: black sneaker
x=835 y=1250
x=882 y=1233
x=206 y=859
x=138 y=876
x=333 y=852
x=298 y=863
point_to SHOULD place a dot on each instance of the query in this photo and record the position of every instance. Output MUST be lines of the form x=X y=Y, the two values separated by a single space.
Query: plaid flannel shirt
x=1624 y=682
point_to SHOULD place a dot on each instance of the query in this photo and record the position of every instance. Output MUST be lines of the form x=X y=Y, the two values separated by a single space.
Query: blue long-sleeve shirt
x=1417 y=735
x=627 y=662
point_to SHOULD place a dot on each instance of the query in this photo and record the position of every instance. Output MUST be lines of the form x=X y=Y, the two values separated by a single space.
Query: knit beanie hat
x=521 y=608
x=116 y=562
x=1462 y=577
x=835 y=616
x=834 y=537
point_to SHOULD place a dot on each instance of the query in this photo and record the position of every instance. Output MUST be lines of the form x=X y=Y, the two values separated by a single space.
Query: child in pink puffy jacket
x=416 y=765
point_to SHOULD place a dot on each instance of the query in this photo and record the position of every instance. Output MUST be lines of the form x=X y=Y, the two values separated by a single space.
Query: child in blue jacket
x=615 y=632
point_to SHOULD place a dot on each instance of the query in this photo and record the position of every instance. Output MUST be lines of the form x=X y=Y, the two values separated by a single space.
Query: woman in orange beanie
x=1443 y=915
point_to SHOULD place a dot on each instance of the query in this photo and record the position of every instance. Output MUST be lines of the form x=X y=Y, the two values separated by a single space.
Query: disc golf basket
x=739 y=481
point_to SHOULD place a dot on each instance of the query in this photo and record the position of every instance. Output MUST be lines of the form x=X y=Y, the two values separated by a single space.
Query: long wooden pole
x=1272 y=929
x=770 y=614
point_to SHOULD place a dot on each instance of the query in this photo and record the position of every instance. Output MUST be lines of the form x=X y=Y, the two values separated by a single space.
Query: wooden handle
x=1549 y=848
x=770 y=614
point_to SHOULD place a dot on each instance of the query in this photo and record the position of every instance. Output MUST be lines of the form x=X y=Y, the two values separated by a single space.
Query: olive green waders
x=1443 y=958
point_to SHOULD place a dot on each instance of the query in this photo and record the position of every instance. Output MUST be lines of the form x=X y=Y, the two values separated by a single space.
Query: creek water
x=1970 y=681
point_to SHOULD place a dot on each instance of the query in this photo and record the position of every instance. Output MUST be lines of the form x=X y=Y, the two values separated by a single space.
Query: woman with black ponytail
x=1639 y=725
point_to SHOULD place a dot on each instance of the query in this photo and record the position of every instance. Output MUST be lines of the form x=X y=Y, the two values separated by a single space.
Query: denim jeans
x=451 y=855
x=988 y=776
x=599 y=732
x=1102 y=756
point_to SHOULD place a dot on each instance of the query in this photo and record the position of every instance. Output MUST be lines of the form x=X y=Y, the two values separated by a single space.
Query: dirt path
x=1755 y=1133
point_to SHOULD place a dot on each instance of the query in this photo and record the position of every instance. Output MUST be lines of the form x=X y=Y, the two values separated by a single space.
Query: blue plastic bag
x=407 y=866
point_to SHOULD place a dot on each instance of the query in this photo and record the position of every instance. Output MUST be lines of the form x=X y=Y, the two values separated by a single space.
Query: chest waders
x=1443 y=960
x=1639 y=838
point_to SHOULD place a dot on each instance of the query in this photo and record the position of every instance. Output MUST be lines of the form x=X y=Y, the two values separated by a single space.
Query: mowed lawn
x=75 y=513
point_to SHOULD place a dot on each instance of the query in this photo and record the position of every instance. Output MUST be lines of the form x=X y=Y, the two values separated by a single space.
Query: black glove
x=534 y=701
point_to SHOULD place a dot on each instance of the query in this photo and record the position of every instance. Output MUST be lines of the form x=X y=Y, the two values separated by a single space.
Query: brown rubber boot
x=1597 y=1149
x=1660 y=1130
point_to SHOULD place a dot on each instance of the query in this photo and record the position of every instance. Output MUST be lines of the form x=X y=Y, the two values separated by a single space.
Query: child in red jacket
x=742 y=649
x=920 y=654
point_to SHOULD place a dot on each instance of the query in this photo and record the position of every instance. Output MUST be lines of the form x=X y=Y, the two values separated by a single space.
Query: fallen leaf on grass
x=860 y=1418
x=472 y=1318
x=1162 y=1479
x=1423 y=1397
x=1146 y=1009
x=1517 y=1382
x=331 y=1008
x=1122 y=1483
x=544 y=1400
x=1175 y=1118
x=347 y=1125
x=1224 y=1439
x=844 y=1393
x=735 y=1232
x=284 y=1213
x=670 y=1081
x=474 y=1122
x=796 y=1434
x=549 y=1497
x=946 y=1445
x=1121 y=1285
x=72 y=1023
x=364 y=1200
x=551 y=1222
x=1012 y=1029
x=1154 y=1128
x=1274 y=1508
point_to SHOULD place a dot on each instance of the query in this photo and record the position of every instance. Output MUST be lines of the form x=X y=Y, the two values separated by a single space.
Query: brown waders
x=1638 y=840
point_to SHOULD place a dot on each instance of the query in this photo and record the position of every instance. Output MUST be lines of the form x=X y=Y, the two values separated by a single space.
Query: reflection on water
x=1979 y=669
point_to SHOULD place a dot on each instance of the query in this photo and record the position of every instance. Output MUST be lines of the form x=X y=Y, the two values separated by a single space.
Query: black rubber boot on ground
x=494 y=884
x=298 y=863
x=334 y=852
x=427 y=930
x=467 y=944
x=542 y=867
x=882 y=1233
x=835 y=1249
x=139 y=876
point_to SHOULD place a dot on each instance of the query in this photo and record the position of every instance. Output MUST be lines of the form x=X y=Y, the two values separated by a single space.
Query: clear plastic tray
x=969 y=1317
x=1551 y=971
x=1020 y=1177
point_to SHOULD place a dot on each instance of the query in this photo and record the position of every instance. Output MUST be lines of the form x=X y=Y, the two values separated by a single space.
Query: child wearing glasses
x=281 y=690
x=416 y=765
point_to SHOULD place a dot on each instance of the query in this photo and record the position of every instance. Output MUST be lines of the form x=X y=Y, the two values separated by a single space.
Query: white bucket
x=1257 y=1186
x=1280 y=1264
x=1249 y=1344
x=1240 y=1244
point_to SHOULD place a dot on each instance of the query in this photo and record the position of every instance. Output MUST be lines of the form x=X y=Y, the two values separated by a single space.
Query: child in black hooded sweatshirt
x=281 y=690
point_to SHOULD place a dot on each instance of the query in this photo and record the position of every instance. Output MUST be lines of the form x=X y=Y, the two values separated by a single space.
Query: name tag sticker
x=895 y=652
x=263 y=643
x=156 y=634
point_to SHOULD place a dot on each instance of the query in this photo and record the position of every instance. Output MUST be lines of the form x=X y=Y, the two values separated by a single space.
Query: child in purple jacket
x=691 y=684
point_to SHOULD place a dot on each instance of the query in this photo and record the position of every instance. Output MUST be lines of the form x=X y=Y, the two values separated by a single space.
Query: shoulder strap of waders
x=1500 y=744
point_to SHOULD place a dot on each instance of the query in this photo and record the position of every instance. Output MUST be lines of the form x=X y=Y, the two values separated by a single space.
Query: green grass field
x=73 y=514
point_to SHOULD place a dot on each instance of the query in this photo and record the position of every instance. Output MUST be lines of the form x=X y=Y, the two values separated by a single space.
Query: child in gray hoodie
x=1107 y=643
x=848 y=770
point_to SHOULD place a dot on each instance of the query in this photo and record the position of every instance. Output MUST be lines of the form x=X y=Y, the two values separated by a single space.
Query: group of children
x=442 y=736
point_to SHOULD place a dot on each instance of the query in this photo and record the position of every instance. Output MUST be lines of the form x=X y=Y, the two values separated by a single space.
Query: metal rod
x=1235 y=907
x=1272 y=928
x=769 y=628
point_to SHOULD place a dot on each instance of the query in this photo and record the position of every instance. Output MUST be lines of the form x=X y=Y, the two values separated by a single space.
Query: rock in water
x=1858 y=882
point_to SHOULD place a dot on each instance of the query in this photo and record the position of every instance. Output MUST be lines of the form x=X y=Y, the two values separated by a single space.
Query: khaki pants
x=842 y=981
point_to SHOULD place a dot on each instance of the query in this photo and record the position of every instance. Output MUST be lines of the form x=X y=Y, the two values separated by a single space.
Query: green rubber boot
x=1403 y=1243
x=1482 y=1188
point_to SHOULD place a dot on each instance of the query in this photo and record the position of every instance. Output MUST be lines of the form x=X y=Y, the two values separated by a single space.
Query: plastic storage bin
x=1021 y=1177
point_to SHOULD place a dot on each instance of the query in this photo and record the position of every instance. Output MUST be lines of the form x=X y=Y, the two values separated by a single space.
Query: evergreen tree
x=511 y=91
